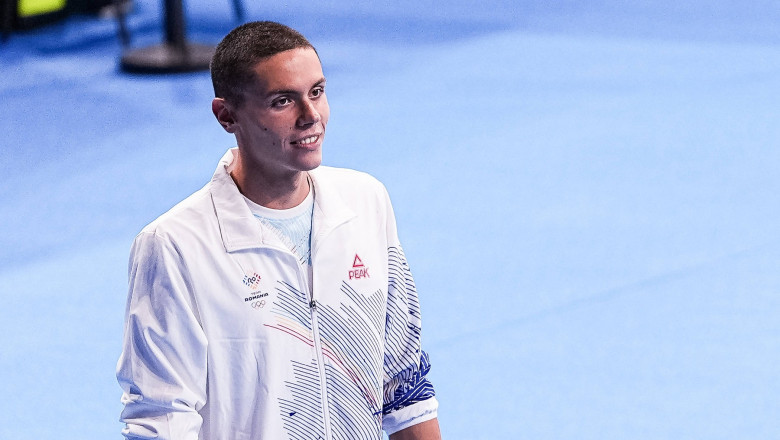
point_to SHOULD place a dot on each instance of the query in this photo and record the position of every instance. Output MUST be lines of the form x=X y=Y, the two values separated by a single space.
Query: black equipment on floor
x=175 y=54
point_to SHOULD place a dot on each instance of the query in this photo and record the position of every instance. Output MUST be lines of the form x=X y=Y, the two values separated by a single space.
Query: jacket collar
x=240 y=230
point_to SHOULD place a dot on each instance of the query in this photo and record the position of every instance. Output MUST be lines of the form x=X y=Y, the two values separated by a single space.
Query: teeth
x=308 y=140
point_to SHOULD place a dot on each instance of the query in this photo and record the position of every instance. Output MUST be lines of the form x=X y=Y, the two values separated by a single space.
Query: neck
x=283 y=191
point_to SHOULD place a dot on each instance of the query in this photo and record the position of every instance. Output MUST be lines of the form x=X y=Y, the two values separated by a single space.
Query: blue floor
x=588 y=197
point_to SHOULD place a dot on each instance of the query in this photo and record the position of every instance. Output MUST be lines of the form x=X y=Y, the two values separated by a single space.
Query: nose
x=309 y=113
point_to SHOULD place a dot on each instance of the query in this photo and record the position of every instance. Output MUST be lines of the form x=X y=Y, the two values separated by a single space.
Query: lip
x=310 y=146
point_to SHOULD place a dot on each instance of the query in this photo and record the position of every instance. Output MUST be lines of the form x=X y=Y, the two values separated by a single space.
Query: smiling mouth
x=307 y=141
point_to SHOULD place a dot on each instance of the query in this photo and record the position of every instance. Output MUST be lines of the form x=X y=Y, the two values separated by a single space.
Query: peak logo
x=252 y=281
x=359 y=270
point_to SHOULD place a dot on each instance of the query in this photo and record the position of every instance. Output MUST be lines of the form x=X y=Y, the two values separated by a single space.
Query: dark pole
x=238 y=7
x=121 y=17
x=174 y=24
x=8 y=13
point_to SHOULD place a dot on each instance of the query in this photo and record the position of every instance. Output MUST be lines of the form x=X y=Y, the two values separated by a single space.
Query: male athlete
x=276 y=302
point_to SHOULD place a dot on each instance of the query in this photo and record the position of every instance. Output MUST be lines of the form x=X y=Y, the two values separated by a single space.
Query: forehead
x=295 y=69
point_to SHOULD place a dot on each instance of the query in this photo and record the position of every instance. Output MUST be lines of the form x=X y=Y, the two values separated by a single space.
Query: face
x=281 y=124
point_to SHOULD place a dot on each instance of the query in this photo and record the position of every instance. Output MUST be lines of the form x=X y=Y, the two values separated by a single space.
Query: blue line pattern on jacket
x=405 y=362
x=351 y=333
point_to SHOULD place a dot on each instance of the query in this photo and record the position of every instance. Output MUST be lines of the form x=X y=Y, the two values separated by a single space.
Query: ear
x=224 y=114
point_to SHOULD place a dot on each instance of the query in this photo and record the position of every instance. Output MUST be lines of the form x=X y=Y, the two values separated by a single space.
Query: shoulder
x=348 y=180
x=185 y=217
x=346 y=190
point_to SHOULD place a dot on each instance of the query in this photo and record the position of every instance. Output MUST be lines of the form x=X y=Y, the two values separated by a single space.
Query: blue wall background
x=587 y=194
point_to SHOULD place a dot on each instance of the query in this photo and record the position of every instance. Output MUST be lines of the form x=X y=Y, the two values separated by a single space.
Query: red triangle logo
x=357 y=262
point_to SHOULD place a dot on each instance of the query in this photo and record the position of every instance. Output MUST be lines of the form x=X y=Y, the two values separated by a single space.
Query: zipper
x=320 y=367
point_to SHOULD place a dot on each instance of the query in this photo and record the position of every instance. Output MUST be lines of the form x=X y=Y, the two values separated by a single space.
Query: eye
x=317 y=92
x=281 y=102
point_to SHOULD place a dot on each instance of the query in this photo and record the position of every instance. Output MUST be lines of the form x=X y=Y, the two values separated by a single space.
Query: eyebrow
x=320 y=82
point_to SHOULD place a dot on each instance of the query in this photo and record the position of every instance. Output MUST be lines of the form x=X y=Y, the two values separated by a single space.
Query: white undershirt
x=293 y=228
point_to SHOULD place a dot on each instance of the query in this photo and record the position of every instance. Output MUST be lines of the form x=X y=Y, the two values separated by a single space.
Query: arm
x=162 y=369
x=410 y=406
x=422 y=431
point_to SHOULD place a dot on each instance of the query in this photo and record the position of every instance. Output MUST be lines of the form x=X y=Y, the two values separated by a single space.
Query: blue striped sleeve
x=412 y=386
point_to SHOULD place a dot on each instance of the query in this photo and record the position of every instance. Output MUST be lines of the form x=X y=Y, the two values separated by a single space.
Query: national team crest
x=252 y=281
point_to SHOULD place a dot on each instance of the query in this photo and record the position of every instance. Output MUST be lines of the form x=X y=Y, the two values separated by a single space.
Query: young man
x=276 y=302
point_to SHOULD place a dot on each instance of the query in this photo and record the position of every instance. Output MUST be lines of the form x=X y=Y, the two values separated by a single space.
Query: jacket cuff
x=410 y=415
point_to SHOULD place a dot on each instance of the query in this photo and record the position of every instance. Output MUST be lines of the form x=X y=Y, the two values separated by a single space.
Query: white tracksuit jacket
x=222 y=340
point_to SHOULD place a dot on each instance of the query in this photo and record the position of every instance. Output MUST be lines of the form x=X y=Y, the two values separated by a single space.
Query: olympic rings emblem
x=258 y=304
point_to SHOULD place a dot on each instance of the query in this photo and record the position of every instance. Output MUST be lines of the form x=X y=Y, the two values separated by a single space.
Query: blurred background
x=587 y=193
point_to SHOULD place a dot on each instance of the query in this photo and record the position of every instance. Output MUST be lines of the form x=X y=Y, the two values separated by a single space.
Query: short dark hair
x=237 y=54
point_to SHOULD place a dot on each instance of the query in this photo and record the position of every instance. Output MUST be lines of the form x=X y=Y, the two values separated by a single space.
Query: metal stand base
x=168 y=58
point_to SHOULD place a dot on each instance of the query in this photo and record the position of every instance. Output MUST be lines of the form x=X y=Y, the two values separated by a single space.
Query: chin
x=311 y=163
x=312 y=166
